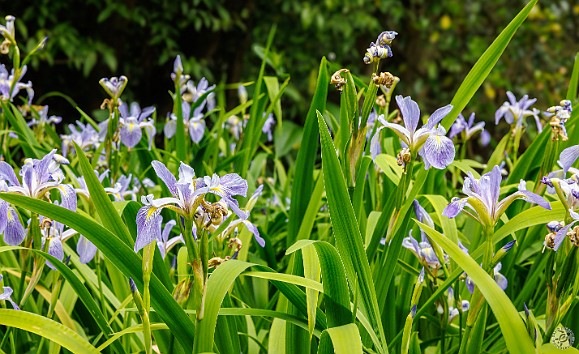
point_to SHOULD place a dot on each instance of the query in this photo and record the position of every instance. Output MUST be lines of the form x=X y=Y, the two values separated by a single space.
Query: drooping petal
x=500 y=279
x=438 y=150
x=561 y=235
x=234 y=184
x=148 y=226
x=196 y=130
x=469 y=284
x=55 y=250
x=166 y=176
x=410 y=112
x=131 y=132
x=411 y=244
x=7 y=296
x=14 y=233
x=253 y=229
x=68 y=197
x=3 y=216
x=455 y=207
x=150 y=129
x=568 y=157
x=170 y=128
x=86 y=250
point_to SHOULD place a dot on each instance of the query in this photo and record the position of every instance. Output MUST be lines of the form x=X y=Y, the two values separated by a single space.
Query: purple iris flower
x=44 y=119
x=121 y=189
x=429 y=141
x=53 y=235
x=568 y=157
x=132 y=121
x=84 y=135
x=562 y=233
x=194 y=123
x=483 y=198
x=423 y=250
x=6 y=295
x=38 y=177
x=8 y=82
x=380 y=49
x=514 y=111
x=187 y=193
x=268 y=127
x=461 y=125
x=197 y=91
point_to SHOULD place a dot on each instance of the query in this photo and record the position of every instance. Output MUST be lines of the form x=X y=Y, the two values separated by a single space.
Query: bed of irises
x=373 y=227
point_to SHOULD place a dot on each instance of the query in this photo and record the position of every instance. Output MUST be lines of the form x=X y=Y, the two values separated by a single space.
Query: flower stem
x=148 y=255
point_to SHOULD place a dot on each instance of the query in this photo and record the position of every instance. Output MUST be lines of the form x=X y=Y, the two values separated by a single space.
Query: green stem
x=148 y=255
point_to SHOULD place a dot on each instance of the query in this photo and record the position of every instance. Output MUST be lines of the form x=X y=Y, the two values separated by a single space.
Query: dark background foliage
x=438 y=43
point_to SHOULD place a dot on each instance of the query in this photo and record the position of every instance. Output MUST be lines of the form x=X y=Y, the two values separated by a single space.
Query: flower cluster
x=188 y=201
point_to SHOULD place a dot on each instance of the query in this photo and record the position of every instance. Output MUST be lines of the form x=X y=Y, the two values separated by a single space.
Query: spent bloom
x=514 y=111
x=483 y=198
x=429 y=141
x=469 y=129
x=9 y=34
x=381 y=49
x=559 y=116
x=114 y=86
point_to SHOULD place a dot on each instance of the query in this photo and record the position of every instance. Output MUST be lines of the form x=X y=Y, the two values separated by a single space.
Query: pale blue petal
x=86 y=250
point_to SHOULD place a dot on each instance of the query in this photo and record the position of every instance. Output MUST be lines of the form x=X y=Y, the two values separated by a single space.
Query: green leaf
x=510 y=322
x=484 y=65
x=47 y=328
x=345 y=339
x=121 y=255
x=574 y=82
x=303 y=183
x=533 y=216
x=103 y=205
x=30 y=145
x=217 y=286
x=347 y=233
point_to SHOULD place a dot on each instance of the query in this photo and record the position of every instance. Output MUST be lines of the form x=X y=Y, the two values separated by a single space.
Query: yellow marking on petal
x=150 y=212
x=10 y=217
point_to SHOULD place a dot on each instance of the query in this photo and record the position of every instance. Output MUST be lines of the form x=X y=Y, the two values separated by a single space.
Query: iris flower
x=429 y=141
x=38 y=177
x=423 y=250
x=44 y=119
x=194 y=123
x=500 y=279
x=461 y=125
x=6 y=295
x=187 y=193
x=514 y=111
x=133 y=121
x=483 y=198
x=84 y=135
x=8 y=82
x=194 y=93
